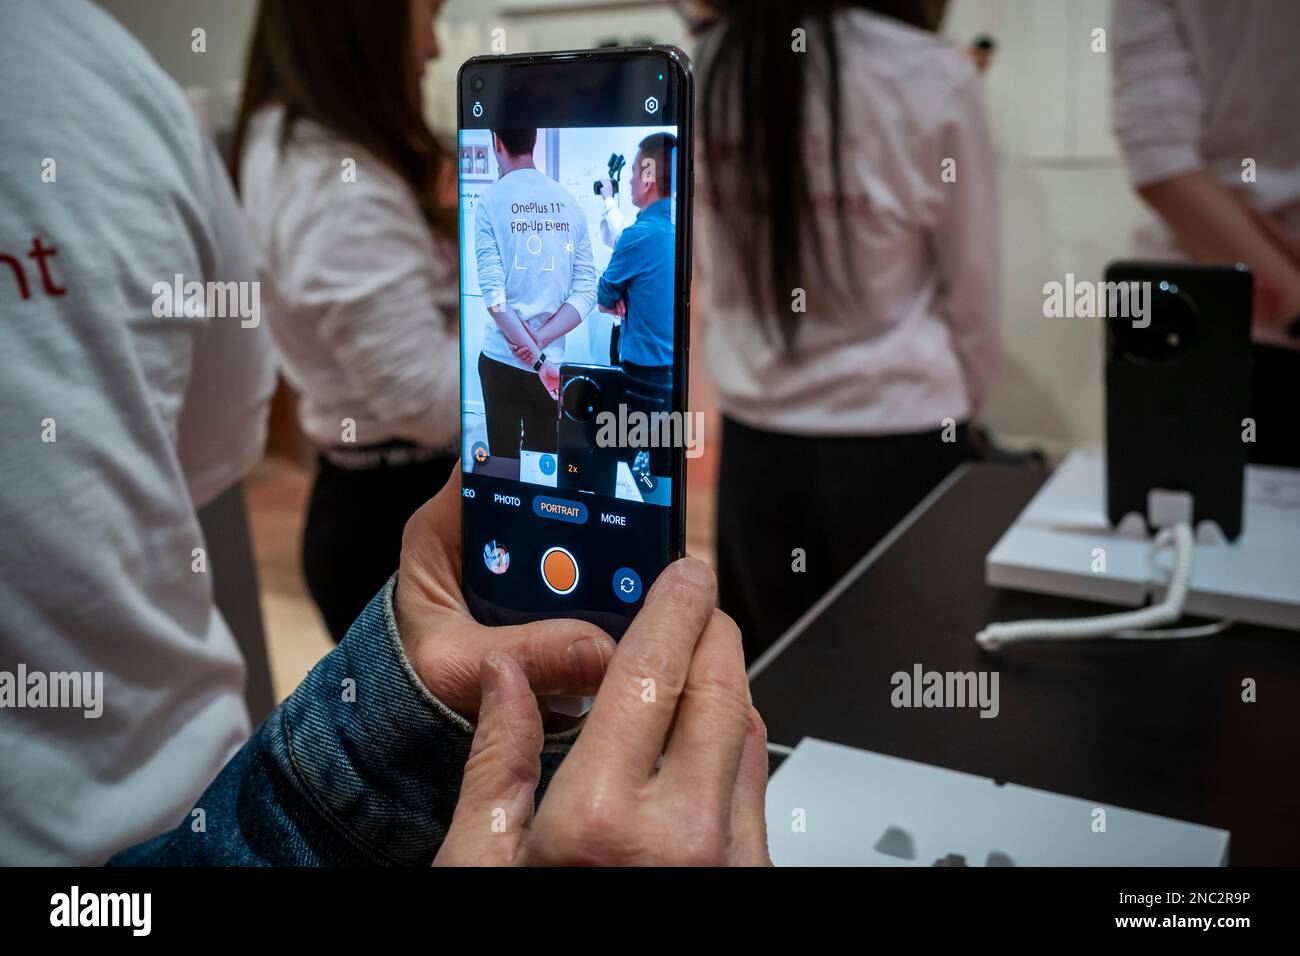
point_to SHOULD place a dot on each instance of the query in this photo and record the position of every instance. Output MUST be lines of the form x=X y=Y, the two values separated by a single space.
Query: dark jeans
x=353 y=538
x=650 y=390
x=518 y=408
x=830 y=498
x=1275 y=406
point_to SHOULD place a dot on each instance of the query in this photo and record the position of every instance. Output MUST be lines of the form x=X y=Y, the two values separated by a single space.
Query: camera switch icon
x=627 y=585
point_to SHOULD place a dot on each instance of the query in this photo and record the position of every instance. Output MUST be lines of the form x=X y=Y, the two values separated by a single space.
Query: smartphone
x=574 y=438
x=1178 y=388
x=586 y=465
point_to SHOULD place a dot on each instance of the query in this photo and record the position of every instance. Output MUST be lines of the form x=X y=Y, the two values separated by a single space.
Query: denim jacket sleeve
x=360 y=765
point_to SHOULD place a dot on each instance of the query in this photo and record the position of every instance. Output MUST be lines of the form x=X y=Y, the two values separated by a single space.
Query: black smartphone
x=586 y=464
x=574 y=453
x=1177 y=387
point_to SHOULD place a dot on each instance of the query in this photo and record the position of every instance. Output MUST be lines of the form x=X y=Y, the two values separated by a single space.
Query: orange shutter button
x=559 y=570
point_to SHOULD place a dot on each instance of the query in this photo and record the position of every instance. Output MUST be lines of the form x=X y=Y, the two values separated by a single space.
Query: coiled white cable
x=1129 y=625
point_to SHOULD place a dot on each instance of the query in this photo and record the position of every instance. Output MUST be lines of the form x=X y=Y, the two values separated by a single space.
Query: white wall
x=165 y=28
x=1067 y=206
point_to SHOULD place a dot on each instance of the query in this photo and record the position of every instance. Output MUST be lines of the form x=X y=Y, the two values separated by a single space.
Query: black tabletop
x=1159 y=727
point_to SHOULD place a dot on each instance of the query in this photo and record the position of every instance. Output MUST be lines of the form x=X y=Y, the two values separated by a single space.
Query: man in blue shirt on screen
x=638 y=285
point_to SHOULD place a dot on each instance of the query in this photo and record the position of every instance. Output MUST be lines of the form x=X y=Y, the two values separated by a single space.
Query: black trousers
x=1275 y=406
x=650 y=390
x=518 y=408
x=795 y=513
x=353 y=538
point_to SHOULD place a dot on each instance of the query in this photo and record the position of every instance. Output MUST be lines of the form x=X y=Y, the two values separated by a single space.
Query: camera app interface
x=568 y=314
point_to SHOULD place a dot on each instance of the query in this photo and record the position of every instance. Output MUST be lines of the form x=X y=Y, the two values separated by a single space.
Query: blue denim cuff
x=376 y=754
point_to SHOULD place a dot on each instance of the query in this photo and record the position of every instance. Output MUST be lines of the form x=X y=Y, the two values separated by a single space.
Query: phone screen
x=575 y=265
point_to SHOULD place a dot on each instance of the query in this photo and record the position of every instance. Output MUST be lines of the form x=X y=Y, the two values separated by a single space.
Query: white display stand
x=1061 y=540
x=830 y=805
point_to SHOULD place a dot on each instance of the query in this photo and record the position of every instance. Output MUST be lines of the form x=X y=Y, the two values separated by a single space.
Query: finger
x=446 y=649
x=429 y=574
x=557 y=656
x=435 y=526
x=703 y=754
x=629 y=721
x=501 y=775
x=749 y=799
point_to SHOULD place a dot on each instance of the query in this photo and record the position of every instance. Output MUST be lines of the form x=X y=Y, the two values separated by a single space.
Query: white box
x=830 y=805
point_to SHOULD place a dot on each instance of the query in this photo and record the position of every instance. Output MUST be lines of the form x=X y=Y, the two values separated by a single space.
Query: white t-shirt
x=533 y=253
x=918 y=342
x=361 y=299
x=150 y=416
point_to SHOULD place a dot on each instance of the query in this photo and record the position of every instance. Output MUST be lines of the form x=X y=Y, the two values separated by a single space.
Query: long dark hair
x=753 y=97
x=346 y=65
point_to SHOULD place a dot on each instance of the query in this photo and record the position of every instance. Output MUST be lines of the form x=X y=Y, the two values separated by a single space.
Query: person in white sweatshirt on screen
x=538 y=280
